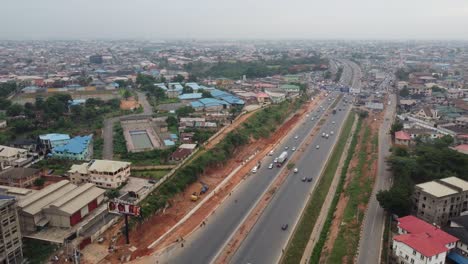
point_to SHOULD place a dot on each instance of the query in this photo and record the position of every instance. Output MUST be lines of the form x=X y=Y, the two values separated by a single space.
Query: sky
x=234 y=19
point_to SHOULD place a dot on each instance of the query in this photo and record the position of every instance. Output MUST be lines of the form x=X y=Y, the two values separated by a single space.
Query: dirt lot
x=369 y=171
x=144 y=234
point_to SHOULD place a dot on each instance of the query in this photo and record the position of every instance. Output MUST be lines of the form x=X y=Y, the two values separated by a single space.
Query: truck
x=282 y=158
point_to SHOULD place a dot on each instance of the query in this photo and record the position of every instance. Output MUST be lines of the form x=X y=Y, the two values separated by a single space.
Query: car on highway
x=309 y=179
x=317 y=147
x=326 y=135
x=296 y=170
x=304 y=179
x=296 y=137
x=312 y=119
x=284 y=227
x=286 y=147
x=271 y=153
x=331 y=132
x=323 y=134
x=255 y=169
x=275 y=160
x=293 y=149
x=333 y=122
x=270 y=166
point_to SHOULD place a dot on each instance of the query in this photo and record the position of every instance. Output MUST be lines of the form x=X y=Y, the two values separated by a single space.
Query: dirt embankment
x=147 y=232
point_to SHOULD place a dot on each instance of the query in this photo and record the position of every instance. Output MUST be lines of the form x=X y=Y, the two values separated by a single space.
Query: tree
x=22 y=125
x=14 y=110
x=396 y=126
x=172 y=121
x=187 y=89
x=178 y=78
x=397 y=201
x=126 y=94
x=4 y=103
x=39 y=182
x=184 y=111
x=159 y=94
x=402 y=74
x=404 y=92
x=205 y=94
x=112 y=193
x=39 y=103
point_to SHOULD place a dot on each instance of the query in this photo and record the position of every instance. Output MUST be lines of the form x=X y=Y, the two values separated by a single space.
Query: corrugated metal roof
x=77 y=198
x=76 y=145
x=189 y=96
x=34 y=203
x=54 y=137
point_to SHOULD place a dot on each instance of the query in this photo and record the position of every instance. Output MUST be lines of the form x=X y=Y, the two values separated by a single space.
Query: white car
x=333 y=122
x=295 y=170
x=254 y=170
x=270 y=166
x=296 y=137
x=326 y=135
x=294 y=148
x=312 y=119
x=286 y=148
x=331 y=132
x=275 y=160
x=271 y=153
x=323 y=134
x=317 y=147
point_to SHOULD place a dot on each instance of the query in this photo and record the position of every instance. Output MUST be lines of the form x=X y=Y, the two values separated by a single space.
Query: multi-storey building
x=10 y=236
x=103 y=173
x=437 y=201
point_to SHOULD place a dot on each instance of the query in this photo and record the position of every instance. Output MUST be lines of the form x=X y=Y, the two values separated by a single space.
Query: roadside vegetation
x=259 y=125
x=428 y=160
x=298 y=242
x=36 y=251
x=358 y=193
x=317 y=251
x=150 y=174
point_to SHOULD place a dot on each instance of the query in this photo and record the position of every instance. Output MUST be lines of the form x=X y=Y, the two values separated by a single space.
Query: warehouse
x=62 y=204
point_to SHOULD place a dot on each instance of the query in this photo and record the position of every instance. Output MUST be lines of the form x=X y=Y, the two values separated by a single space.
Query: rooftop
x=76 y=145
x=18 y=173
x=107 y=165
x=77 y=198
x=422 y=243
x=9 y=151
x=402 y=135
x=54 y=137
x=436 y=189
x=456 y=182
x=189 y=96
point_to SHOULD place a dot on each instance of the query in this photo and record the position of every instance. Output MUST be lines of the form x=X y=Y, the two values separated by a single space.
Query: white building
x=420 y=242
x=12 y=156
x=103 y=173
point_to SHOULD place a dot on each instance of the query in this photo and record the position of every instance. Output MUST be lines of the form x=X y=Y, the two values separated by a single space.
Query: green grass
x=37 y=252
x=359 y=192
x=386 y=236
x=153 y=174
x=317 y=251
x=296 y=247
x=98 y=145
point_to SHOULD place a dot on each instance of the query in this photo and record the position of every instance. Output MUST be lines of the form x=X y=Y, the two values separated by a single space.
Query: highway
x=266 y=240
x=205 y=243
x=373 y=224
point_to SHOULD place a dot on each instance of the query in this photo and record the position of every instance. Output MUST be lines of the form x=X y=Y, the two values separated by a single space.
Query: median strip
x=298 y=242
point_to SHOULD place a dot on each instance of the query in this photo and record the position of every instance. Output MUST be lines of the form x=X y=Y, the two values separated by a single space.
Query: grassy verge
x=37 y=252
x=317 y=251
x=336 y=101
x=386 y=235
x=151 y=174
x=301 y=236
x=358 y=192
x=97 y=147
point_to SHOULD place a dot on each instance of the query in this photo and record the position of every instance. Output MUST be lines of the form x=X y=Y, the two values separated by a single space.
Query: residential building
x=11 y=251
x=77 y=148
x=180 y=154
x=50 y=141
x=275 y=97
x=102 y=173
x=3 y=123
x=12 y=157
x=19 y=177
x=419 y=242
x=402 y=138
x=438 y=201
x=427 y=114
x=458 y=227
x=463 y=148
x=61 y=204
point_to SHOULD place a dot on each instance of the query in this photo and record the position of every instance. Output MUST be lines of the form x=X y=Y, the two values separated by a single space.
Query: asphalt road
x=373 y=224
x=266 y=240
x=205 y=243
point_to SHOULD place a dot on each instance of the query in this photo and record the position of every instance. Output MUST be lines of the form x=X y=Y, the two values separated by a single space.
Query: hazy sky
x=156 y=19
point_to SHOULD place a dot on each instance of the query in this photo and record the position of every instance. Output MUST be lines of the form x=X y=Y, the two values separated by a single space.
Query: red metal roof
x=414 y=225
x=402 y=135
x=462 y=147
x=423 y=243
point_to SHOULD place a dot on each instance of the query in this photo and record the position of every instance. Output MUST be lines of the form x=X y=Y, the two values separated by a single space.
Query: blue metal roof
x=189 y=96
x=176 y=86
x=174 y=136
x=168 y=142
x=233 y=100
x=77 y=101
x=193 y=85
x=76 y=145
x=196 y=104
x=54 y=137
x=212 y=102
x=459 y=259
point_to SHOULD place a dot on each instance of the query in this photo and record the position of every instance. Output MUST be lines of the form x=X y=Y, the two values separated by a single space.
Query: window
x=406 y=257
x=412 y=261
x=423 y=206
x=422 y=257
x=414 y=252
